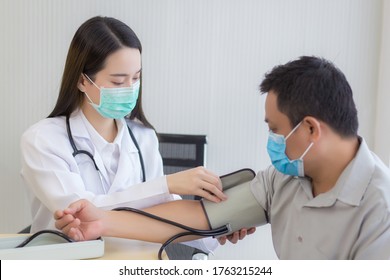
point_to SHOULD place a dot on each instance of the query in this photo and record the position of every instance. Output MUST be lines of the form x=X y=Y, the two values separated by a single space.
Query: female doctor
x=97 y=144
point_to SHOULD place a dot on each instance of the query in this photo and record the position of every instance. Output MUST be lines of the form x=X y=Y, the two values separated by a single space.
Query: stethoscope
x=78 y=152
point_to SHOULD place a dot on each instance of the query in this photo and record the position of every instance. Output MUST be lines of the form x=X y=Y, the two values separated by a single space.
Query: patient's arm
x=83 y=221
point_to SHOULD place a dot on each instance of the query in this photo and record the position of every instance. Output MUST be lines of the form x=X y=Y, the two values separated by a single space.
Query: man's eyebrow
x=269 y=123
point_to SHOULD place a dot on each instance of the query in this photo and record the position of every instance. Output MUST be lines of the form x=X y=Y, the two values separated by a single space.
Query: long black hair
x=92 y=43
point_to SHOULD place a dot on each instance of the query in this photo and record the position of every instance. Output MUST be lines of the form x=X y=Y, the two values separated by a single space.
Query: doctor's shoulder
x=47 y=130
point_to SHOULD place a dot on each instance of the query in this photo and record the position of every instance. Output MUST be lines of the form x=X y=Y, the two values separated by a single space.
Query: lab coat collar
x=77 y=125
x=129 y=157
x=129 y=153
x=79 y=130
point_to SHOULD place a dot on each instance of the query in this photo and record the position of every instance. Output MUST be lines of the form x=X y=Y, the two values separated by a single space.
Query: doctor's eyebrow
x=123 y=75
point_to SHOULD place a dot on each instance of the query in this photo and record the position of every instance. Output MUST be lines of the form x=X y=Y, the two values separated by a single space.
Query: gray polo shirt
x=351 y=221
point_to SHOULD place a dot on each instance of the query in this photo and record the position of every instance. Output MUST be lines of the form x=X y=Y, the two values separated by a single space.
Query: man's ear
x=81 y=83
x=314 y=128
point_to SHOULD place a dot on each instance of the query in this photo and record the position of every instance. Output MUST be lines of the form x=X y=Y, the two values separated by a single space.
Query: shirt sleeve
x=262 y=189
x=373 y=242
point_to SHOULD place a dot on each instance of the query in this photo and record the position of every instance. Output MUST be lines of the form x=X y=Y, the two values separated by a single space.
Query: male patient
x=326 y=195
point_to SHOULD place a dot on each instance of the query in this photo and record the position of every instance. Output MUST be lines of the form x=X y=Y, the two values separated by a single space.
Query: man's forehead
x=272 y=114
x=271 y=108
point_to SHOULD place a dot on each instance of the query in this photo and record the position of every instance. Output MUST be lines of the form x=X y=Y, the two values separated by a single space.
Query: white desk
x=123 y=249
x=127 y=249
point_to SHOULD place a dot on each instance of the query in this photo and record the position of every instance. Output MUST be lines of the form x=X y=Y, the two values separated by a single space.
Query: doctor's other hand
x=237 y=235
x=197 y=181
x=81 y=220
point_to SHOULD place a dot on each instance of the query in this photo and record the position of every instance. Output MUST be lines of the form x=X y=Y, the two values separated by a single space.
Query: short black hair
x=312 y=86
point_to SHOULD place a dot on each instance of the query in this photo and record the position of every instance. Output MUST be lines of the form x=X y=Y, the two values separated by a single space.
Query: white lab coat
x=55 y=178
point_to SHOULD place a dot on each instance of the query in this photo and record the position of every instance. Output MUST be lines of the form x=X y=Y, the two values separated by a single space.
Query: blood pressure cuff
x=241 y=209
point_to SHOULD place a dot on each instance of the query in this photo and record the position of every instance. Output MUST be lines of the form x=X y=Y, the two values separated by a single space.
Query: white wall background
x=382 y=135
x=202 y=63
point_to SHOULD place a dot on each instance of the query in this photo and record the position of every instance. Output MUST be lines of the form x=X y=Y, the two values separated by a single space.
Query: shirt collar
x=352 y=183
x=357 y=176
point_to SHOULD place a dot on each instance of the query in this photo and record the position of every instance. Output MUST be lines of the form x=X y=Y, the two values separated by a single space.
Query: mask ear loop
x=307 y=150
x=90 y=100
x=292 y=131
x=89 y=79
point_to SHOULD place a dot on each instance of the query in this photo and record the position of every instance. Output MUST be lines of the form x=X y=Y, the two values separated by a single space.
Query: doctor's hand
x=81 y=220
x=235 y=236
x=196 y=181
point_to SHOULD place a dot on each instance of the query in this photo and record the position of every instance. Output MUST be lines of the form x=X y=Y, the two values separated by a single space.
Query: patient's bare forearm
x=135 y=226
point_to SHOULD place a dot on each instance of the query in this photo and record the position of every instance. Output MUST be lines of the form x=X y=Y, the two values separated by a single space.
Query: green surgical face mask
x=116 y=103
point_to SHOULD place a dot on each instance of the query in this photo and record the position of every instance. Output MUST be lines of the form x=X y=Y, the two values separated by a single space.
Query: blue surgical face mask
x=276 y=148
x=116 y=103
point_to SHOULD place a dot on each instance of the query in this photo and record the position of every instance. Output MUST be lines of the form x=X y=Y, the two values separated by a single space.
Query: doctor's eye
x=117 y=84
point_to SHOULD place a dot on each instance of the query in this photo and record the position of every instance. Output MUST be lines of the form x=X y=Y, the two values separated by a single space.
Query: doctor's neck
x=106 y=127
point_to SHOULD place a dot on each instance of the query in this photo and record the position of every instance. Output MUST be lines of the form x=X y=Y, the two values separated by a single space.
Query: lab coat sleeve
x=207 y=245
x=50 y=173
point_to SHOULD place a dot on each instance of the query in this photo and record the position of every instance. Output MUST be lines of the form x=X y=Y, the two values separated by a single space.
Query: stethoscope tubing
x=76 y=151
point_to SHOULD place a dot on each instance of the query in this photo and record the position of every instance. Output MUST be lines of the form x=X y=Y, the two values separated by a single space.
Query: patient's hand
x=81 y=220
x=235 y=236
